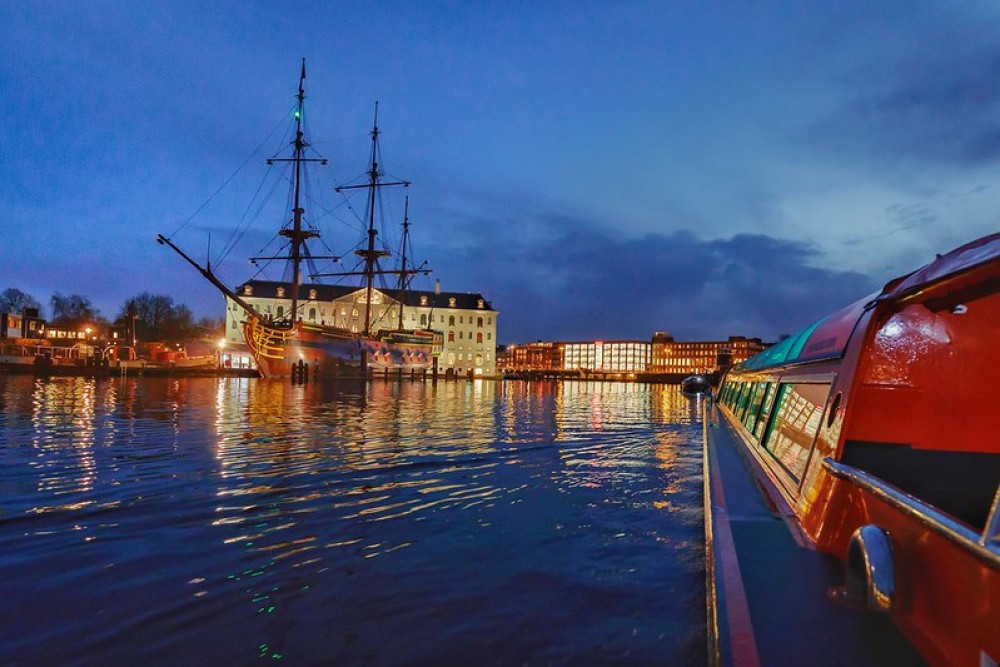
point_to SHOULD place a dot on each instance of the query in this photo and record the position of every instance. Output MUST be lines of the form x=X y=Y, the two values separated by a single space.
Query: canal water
x=228 y=521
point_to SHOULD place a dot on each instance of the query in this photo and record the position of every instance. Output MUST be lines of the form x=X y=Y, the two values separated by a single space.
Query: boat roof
x=828 y=338
x=961 y=259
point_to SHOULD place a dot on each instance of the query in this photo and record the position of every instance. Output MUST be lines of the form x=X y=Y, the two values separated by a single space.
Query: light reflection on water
x=169 y=520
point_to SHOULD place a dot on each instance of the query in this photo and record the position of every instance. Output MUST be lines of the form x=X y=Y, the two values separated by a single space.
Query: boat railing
x=985 y=545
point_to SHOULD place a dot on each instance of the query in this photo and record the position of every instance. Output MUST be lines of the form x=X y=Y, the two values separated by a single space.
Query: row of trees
x=156 y=316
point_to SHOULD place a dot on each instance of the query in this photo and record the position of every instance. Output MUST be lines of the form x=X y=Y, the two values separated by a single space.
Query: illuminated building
x=531 y=357
x=617 y=357
x=671 y=357
x=663 y=359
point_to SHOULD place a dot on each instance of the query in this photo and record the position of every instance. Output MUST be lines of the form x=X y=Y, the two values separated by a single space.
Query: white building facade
x=625 y=357
x=467 y=320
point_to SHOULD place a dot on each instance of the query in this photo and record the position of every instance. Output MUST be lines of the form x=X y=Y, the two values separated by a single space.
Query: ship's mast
x=370 y=254
x=297 y=235
x=402 y=259
x=405 y=273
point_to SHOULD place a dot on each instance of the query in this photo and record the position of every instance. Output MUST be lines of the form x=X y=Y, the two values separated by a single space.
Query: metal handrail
x=985 y=545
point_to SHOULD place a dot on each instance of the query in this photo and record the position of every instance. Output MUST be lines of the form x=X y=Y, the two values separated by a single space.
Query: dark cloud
x=942 y=105
x=578 y=282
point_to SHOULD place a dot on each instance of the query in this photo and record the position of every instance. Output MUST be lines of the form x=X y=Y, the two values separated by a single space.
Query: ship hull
x=326 y=352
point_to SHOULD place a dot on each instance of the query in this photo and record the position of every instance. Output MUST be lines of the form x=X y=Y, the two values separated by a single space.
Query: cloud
x=576 y=281
x=940 y=104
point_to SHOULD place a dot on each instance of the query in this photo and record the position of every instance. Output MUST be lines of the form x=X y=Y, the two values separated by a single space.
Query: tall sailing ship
x=287 y=345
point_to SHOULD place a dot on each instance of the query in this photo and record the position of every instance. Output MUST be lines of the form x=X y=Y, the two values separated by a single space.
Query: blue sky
x=596 y=170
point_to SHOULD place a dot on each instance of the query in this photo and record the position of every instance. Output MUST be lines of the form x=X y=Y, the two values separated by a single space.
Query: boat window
x=740 y=401
x=766 y=407
x=791 y=435
x=733 y=389
x=753 y=405
x=727 y=393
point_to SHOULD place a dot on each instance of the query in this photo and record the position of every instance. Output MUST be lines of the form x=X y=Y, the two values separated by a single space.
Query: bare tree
x=14 y=301
x=73 y=310
x=158 y=317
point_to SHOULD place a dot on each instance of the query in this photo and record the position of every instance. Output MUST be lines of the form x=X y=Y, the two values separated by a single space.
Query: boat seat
x=959 y=483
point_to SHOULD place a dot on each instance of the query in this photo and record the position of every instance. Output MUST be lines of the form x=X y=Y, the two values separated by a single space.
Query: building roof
x=464 y=300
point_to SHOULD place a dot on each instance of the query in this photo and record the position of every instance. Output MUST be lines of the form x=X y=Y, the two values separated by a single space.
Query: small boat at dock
x=696 y=385
x=852 y=481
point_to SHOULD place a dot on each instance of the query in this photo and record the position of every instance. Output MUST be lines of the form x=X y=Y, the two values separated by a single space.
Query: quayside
x=851 y=481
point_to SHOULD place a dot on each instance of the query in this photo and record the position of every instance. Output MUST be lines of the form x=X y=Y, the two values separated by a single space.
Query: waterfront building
x=663 y=359
x=23 y=325
x=531 y=357
x=682 y=358
x=467 y=320
x=622 y=358
x=613 y=359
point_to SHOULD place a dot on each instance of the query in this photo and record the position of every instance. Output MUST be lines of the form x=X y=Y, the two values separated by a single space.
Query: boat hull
x=326 y=352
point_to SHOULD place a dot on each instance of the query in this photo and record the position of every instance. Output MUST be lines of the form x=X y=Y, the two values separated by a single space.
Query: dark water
x=234 y=521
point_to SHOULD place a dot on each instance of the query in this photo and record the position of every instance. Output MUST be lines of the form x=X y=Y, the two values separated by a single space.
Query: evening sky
x=594 y=169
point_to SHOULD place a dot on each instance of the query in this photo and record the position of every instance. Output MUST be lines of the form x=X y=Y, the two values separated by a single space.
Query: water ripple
x=395 y=523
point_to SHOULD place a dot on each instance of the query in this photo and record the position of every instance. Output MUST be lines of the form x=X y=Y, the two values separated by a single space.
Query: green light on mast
x=298 y=115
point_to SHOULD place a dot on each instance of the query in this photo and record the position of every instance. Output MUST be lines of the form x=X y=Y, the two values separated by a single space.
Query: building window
x=281 y=311
x=281 y=292
x=479 y=322
x=312 y=294
x=423 y=320
x=451 y=320
x=451 y=336
x=489 y=336
x=451 y=302
x=247 y=290
x=480 y=303
x=479 y=336
x=312 y=314
x=423 y=300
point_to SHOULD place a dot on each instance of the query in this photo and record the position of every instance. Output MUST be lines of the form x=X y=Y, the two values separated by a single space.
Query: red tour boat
x=851 y=481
